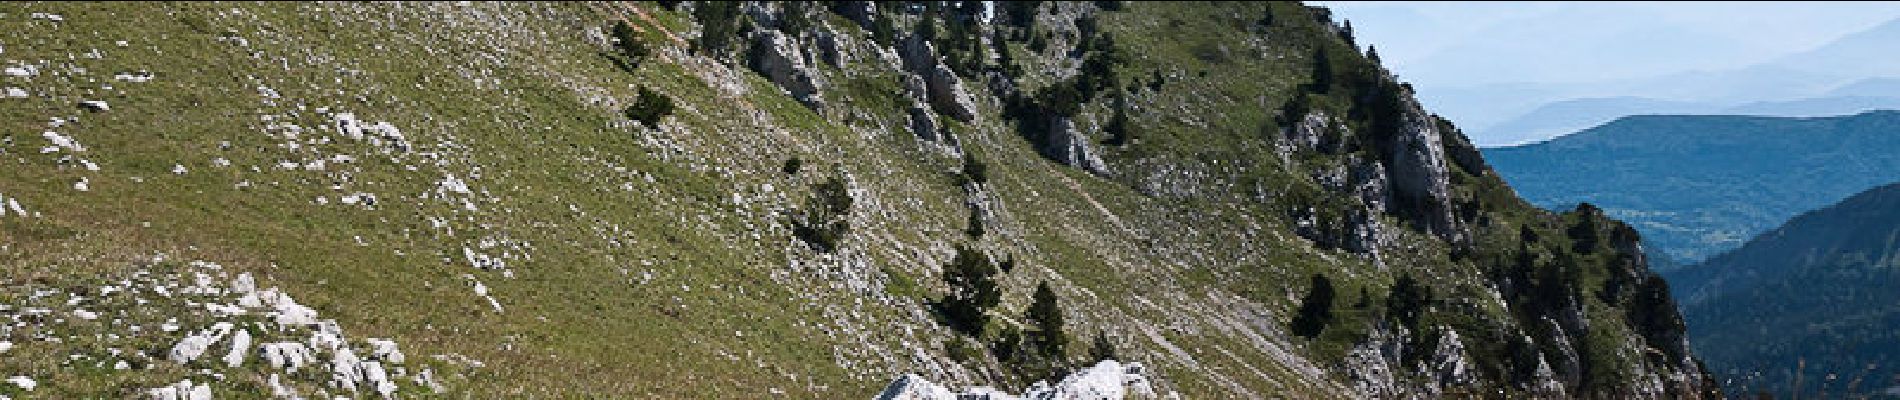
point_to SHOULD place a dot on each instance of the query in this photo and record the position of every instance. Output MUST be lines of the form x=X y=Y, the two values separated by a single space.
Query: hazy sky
x=1454 y=44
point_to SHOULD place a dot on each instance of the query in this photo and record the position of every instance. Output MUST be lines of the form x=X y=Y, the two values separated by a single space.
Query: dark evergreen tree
x=826 y=217
x=629 y=43
x=975 y=170
x=792 y=166
x=650 y=108
x=1583 y=235
x=973 y=291
x=976 y=224
x=1316 y=310
x=1407 y=301
x=1322 y=80
x=1046 y=314
x=719 y=25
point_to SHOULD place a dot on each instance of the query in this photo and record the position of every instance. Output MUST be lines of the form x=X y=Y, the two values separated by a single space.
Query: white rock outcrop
x=1105 y=380
x=183 y=390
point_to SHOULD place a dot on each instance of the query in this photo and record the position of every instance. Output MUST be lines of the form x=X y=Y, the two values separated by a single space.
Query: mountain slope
x=1813 y=297
x=1698 y=185
x=495 y=190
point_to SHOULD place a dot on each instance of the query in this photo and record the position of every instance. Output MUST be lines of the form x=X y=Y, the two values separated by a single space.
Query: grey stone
x=776 y=56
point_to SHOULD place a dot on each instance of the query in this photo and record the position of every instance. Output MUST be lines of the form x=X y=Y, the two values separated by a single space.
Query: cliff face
x=834 y=196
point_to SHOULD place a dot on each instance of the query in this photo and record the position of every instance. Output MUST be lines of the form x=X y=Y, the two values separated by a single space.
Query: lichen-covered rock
x=776 y=57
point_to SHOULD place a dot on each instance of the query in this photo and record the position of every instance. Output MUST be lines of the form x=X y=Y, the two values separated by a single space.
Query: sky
x=1475 y=43
x=1482 y=64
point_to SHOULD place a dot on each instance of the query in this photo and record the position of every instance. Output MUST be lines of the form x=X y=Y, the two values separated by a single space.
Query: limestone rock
x=1108 y=379
x=1420 y=180
x=776 y=56
x=1067 y=145
x=948 y=95
x=945 y=89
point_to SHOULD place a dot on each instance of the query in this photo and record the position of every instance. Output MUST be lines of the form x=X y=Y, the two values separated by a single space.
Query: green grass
x=646 y=278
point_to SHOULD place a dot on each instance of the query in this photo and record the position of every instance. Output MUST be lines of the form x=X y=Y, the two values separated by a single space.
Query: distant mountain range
x=1567 y=116
x=1848 y=75
x=1695 y=186
x=1822 y=290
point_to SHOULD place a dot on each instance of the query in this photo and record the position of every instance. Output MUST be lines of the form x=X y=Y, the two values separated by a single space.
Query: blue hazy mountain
x=1697 y=185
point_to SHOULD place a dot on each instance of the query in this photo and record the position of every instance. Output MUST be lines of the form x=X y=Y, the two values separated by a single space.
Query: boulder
x=948 y=95
x=776 y=56
x=1067 y=145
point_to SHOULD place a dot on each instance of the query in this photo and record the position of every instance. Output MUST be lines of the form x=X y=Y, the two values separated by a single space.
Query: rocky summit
x=842 y=199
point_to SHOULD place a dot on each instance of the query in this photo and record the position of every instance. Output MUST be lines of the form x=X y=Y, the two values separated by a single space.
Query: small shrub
x=975 y=170
x=719 y=24
x=792 y=165
x=826 y=218
x=1103 y=349
x=1407 y=300
x=650 y=108
x=976 y=225
x=629 y=43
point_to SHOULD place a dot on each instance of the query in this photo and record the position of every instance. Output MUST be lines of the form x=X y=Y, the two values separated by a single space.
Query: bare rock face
x=1449 y=367
x=830 y=46
x=776 y=56
x=1065 y=144
x=1420 y=180
x=948 y=95
x=922 y=122
x=860 y=12
x=945 y=90
x=1311 y=133
x=1372 y=365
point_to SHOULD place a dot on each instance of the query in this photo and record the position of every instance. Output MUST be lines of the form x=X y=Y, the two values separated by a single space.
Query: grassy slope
x=647 y=278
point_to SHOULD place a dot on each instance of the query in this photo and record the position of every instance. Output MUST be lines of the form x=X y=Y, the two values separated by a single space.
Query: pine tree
x=650 y=108
x=1316 y=310
x=1406 y=303
x=629 y=43
x=719 y=24
x=973 y=291
x=1046 y=314
x=1322 y=81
